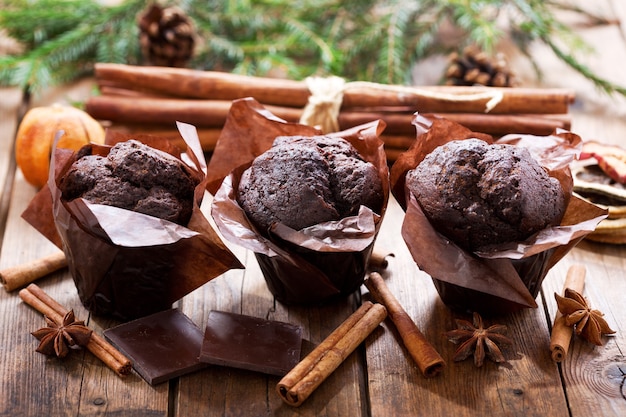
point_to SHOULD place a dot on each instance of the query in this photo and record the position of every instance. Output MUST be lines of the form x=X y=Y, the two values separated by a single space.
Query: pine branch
x=30 y=24
x=302 y=34
x=478 y=20
x=392 y=54
x=70 y=53
x=374 y=40
x=546 y=28
x=602 y=83
x=593 y=18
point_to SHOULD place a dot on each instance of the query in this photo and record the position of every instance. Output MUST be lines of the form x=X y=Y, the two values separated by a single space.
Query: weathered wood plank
x=595 y=376
x=218 y=391
x=33 y=384
x=527 y=385
x=9 y=107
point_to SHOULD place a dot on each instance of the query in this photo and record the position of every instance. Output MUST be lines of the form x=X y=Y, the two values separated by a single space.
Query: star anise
x=56 y=339
x=589 y=324
x=478 y=340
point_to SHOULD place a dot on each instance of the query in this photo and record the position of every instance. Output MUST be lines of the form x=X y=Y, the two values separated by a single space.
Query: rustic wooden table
x=379 y=379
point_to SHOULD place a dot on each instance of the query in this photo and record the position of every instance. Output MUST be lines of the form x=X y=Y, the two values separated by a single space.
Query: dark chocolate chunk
x=251 y=343
x=161 y=346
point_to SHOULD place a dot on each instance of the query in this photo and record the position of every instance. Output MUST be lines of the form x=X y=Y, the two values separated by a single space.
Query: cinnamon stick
x=502 y=124
x=153 y=110
x=295 y=387
x=378 y=259
x=18 y=276
x=561 y=335
x=103 y=350
x=213 y=113
x=423 y=353
x=394 y=145
x=518 y=99
x=393 y=154
x=208 y=136
x=187 y=83
x=402 y=142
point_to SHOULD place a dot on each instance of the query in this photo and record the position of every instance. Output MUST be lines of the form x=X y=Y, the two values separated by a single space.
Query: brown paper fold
x=509 y=277
x=127 y=264
x=249 y=130
x=307 y=266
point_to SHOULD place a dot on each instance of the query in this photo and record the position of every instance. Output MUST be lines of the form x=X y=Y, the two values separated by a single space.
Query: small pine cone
x=474 y=67
x=166 y=36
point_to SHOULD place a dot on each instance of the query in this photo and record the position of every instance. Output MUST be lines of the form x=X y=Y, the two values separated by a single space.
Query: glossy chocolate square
x=251 y=343
x=161 y=346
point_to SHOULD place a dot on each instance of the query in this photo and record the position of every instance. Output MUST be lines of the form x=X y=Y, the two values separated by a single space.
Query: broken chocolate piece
x=251 y=343
x=161 y=346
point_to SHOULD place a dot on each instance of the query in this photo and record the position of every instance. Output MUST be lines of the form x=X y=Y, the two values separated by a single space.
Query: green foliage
x=63 y=39
x=373 y=40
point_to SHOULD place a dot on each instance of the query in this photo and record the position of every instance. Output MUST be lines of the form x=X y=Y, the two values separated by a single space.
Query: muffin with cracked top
x=483 y=195
x=310 y=208
x=136 y=177
x=303 y=181
x=487 y=219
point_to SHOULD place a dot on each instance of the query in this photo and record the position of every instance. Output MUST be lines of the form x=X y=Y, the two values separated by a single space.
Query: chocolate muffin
x=301 y=181
x=481 y=195
x=135 y=177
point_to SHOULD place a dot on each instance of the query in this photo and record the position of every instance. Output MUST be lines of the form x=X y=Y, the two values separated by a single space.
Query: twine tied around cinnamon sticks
x=324 y=104
x=493 y=97
x=149 y=100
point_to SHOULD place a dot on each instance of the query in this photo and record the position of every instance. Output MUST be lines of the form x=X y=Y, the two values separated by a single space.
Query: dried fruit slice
x=611 y=159
x=609 y=231
x=592 y=147
x=593 y=185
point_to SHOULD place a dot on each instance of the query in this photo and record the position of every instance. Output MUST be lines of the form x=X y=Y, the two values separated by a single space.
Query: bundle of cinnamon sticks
x=150 y=100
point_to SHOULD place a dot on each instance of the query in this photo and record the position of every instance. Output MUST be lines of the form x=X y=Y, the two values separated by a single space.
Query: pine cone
x=474 y=67
x=166 y=36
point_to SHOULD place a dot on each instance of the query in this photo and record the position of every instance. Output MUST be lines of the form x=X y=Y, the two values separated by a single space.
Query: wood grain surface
x=379 y=379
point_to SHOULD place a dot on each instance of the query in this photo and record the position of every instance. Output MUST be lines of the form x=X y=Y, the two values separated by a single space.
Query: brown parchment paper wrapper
x=309 y=266
x=507 y=278
x=127 y=264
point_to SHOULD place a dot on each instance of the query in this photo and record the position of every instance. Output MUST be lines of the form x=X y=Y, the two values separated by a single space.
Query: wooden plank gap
x=172 y=397
x=7 y=187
